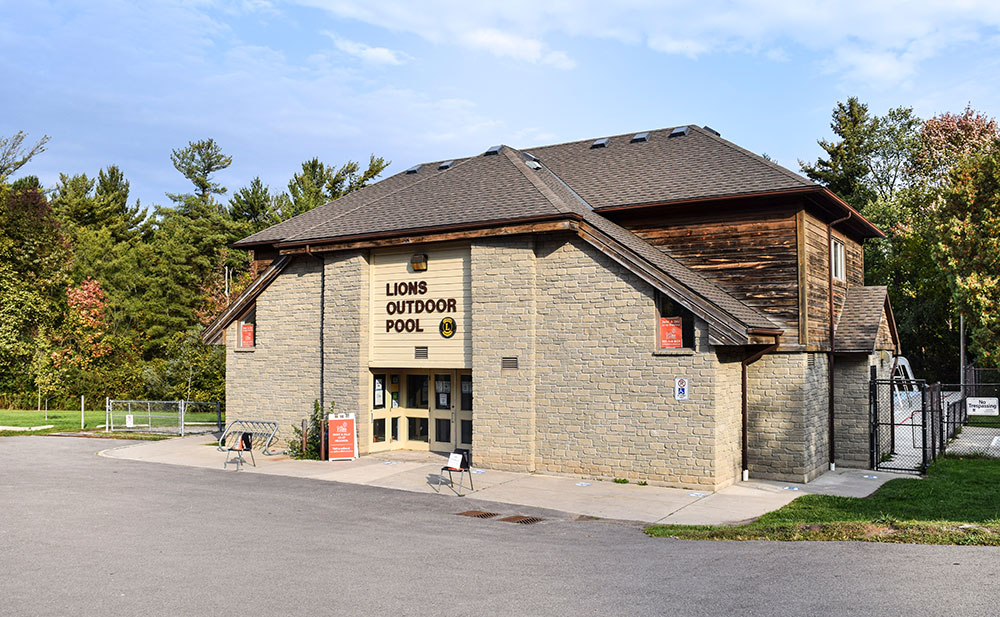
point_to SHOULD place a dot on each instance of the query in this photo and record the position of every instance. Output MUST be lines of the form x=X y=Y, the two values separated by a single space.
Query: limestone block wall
x=728 y=418
x=279 y=380
x=788 y=416
x=850 y=410
x=346 y=330
x=604 y=402
x=503 y=325
x=852 y=406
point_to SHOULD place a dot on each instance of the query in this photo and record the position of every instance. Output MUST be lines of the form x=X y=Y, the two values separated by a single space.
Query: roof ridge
x=591 y=139
x=377 y=199
x=754 y=157
x=536 y=182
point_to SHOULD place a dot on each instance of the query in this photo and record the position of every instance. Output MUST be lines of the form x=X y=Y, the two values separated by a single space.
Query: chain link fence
x=912 y=422
x=166 y=417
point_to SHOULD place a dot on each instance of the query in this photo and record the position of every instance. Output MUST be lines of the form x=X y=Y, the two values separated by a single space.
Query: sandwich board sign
x=982 y=406
x=343 y=437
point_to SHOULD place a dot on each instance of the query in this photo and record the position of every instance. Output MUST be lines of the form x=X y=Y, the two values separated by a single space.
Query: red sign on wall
x=246 y=334
x=343 y=438
x=670 y=333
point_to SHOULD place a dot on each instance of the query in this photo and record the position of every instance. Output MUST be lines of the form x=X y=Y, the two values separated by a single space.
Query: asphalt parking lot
x=82 y=534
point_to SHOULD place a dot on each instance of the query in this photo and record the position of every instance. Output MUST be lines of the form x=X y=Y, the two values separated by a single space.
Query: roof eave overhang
x=213 y=333
x=821 y=196
x=403 y=233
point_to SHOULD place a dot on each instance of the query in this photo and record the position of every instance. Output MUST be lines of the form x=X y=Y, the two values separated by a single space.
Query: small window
x=837 y=259
x=416 y=429
x=378 y=430
x=416 y=391
x=378 y=392
x=675 y=327
x=246 y=336
x=442 y=391
x=442 y=429
x=466 y=392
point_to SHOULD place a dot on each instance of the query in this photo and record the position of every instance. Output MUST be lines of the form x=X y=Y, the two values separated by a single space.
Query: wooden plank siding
x=752 y=255
x=817 y=277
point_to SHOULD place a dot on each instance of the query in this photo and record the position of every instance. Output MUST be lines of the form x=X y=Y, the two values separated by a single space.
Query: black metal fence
x=913 y=422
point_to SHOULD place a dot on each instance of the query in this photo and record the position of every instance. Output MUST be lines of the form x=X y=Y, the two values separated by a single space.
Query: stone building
x=662 y=306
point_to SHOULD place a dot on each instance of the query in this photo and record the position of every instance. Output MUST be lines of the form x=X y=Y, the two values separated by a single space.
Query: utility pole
x=961 y=350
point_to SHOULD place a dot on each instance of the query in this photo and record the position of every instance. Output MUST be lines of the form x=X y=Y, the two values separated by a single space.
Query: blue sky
x=276 y=83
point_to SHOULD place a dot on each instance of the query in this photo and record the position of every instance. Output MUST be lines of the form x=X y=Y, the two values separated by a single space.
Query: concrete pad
x=600 y=499
x=844 y=482
x=420 y=472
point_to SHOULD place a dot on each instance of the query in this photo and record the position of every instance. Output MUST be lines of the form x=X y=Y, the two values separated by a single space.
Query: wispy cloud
x=367 y=53
x=882 y=42
x=507 y=45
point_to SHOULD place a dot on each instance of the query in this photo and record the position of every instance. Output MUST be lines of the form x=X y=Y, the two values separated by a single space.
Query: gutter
x=744 y=412
x=830 y=357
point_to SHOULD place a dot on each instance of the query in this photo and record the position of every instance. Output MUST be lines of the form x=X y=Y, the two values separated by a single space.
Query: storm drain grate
x=479 y=514
x=522 y=520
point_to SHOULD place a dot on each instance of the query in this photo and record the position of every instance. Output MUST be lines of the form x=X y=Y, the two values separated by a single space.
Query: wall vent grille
x=508 y=362
x=420 y=353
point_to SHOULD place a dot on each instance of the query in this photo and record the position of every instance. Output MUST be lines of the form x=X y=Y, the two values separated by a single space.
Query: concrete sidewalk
x=419 y=472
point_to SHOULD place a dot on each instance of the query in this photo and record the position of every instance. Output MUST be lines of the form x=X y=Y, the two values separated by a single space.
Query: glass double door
x=451 y=411
x=421 y=409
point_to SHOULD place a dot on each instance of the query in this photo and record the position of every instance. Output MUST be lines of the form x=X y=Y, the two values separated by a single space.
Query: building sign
x=429 y=310
x=404 y=314
x=343 y=437
x=447 y=327
x=670 y=333
x=681 y=388
x=982 y=406
x=246 y=335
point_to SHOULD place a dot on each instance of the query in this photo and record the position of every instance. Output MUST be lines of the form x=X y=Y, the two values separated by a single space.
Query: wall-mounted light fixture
x=419 y=262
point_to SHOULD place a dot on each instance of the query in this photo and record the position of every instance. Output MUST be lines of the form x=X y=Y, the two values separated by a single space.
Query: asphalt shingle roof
x=857 y=328
x=697 y=165
x=573 y=181
x=694 y=166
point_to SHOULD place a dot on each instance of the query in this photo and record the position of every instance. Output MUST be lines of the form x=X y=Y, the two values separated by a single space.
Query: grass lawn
x=64 y=420
x=958 y=503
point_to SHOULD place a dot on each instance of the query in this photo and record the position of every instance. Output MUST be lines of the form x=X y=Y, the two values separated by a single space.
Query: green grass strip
x=957 y=503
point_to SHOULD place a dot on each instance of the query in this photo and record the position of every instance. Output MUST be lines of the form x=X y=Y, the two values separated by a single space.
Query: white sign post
x=681 y=388
x=982 y=406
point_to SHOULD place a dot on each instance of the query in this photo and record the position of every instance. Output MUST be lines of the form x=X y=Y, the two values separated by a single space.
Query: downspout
x=322 y=350
x=829 y=354
x=745 y=457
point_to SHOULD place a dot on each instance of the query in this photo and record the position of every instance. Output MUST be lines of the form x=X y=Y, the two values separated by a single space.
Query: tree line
x=933 y=187
x=101 y=296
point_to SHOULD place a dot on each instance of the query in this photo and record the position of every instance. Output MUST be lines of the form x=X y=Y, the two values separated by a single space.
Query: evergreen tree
x=111 y=193
x=846 y=165
x=319 y=183
x=253 y=207
x=197 y=162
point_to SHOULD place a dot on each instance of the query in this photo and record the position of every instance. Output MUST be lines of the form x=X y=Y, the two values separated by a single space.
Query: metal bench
x=243 y=436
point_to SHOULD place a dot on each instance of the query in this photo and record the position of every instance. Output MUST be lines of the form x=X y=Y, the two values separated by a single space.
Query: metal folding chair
x=463 y=469
x=243 y=444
